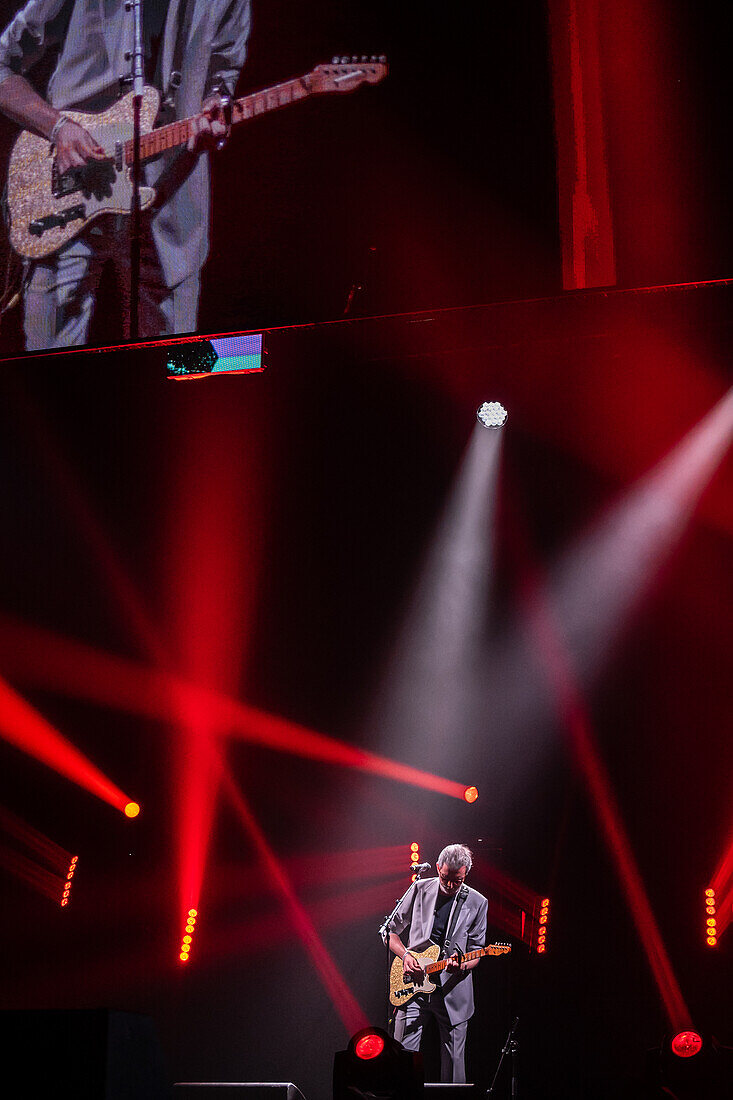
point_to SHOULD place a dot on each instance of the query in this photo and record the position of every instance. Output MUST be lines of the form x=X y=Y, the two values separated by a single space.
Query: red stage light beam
x=32 y=874
x=604 y=577
x=572 y=711
x=22 y=726
x=344 y=1001
x=52 y=854
x=212 y=553
x=42 y=659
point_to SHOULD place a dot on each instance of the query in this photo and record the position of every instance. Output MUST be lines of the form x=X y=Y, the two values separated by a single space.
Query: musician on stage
x=445 y=911
x=194 y=51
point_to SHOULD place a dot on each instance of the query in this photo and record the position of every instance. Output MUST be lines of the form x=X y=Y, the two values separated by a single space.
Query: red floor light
x=369 y=1046
x=686 y=1044
x=470 y=794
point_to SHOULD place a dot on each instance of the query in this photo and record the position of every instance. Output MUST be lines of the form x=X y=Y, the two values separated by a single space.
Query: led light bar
x=187 y=941
x=543 y=920
x=67 y=882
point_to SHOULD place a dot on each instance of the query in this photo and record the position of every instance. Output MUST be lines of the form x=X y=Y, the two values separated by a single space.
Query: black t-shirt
x=440 y=922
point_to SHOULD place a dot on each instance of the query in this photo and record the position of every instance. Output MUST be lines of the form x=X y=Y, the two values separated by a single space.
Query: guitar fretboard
x=249 y=106
x=433 y=968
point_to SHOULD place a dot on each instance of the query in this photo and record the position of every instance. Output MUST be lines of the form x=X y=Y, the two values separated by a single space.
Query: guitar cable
x=13 y=285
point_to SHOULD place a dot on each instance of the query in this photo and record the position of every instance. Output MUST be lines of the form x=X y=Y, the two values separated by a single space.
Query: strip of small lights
x=67 y=882
x=711 y=921
x=543 y=921
x=187 y=941
x=414 y=856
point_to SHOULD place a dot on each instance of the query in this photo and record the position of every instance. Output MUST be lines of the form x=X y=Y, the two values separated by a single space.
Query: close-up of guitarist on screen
x=193 y=53
x=451 y=916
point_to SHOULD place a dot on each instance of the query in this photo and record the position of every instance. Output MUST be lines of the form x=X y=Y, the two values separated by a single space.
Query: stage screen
x=374 y=162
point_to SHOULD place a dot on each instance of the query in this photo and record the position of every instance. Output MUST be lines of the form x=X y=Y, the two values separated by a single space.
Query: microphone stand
x=137 y=99
x=383 y=932
x=511 y=1046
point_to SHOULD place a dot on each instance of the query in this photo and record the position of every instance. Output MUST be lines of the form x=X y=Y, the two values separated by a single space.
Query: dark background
x=338 y=459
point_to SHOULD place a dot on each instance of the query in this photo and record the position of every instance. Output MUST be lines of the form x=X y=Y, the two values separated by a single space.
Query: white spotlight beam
x=421 y=707
x=599 y=582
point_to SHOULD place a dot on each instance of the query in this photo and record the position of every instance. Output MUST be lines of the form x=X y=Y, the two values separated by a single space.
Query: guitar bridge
x=65 y=183
x=52 y=221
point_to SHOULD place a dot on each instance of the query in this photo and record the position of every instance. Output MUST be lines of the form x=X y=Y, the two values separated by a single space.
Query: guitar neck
x=433 y=968
x=249 y=106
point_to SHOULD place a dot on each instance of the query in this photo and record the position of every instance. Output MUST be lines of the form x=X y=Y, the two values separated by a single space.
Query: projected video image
x=296 y=164
x=103 y=212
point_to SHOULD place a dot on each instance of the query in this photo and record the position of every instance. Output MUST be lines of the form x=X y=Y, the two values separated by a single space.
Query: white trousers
x=409 y=1023
x=60 y=292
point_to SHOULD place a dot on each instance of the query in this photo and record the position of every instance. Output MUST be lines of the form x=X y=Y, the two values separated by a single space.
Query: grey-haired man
x=445 y=911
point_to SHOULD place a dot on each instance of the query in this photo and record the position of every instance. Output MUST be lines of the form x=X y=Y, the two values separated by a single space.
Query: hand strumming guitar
x=411 y=967
x=75 y=146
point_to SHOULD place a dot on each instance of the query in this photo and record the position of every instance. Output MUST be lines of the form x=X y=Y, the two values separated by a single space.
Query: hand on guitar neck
x=211 y=128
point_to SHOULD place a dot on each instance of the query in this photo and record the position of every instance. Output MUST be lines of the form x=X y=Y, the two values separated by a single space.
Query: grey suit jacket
x=417 y=912
x=94 y=36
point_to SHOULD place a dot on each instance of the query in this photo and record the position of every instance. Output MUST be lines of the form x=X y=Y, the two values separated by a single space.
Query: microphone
x=419 y=867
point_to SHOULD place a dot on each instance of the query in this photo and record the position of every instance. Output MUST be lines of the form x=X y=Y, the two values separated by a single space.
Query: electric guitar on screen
x=402 y=988
x=45 y=209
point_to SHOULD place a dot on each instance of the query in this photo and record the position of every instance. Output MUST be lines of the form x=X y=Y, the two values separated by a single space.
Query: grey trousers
x=60 y=292
x=408 y=1027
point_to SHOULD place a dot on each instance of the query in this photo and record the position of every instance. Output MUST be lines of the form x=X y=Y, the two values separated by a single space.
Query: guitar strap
x=461 y=897
x=184 y=17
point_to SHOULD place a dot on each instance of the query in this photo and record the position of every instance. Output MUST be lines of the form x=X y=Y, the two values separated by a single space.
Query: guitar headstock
x=346 y=73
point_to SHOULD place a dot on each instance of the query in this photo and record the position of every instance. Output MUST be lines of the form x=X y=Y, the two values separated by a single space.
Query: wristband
x=56 y=127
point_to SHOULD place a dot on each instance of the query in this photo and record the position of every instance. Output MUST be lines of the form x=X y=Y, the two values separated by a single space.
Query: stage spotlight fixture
x=690 y=1066
x=369 y=1046
x=491 y=414
x=686 y=1044
x=132 y=809
x=376 y=1065
x=470 y=794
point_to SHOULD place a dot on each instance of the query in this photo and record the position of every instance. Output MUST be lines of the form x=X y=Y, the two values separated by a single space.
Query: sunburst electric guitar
x=45 y=209
x=402 y=989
